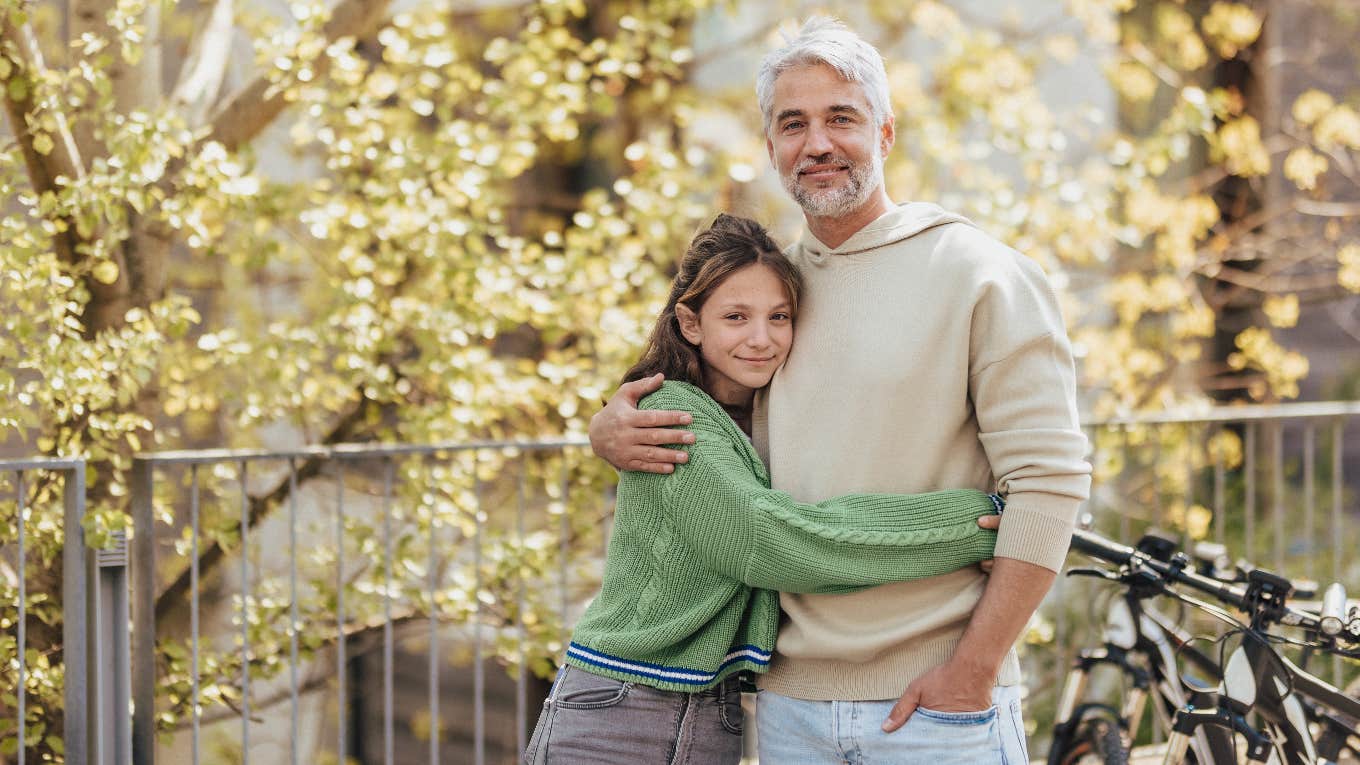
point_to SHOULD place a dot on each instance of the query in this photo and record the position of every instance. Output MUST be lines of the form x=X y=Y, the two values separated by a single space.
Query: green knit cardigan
x=697 y=558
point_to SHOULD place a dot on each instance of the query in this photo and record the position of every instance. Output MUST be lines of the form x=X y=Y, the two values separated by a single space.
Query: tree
x=455 y=222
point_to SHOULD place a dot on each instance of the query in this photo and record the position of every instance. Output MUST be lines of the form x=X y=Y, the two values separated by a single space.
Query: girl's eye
x=734 y=317
x=781 y=317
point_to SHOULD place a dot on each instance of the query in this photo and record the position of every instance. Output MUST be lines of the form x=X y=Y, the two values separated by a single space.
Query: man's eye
x=792 y=126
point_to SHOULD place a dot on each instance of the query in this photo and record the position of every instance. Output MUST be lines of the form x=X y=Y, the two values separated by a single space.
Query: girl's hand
x=991 y=523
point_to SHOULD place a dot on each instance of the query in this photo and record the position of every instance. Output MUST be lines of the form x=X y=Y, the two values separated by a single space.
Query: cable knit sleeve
x=744 y=530
x=1023 y=387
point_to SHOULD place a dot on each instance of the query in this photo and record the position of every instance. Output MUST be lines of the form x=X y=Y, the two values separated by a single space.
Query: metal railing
x=94 y=618
x=1270 y=480
x=439 y=560
x=338 y=466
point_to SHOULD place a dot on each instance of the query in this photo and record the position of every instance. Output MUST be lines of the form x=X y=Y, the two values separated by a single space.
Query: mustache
x=825 y=159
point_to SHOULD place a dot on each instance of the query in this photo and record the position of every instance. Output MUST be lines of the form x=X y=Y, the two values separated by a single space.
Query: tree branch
x=22 y=68
x=1323 y=209
x=249 y=110
x=201 y=78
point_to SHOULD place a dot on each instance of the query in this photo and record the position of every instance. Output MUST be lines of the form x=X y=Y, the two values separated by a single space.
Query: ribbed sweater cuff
x=1037 y=528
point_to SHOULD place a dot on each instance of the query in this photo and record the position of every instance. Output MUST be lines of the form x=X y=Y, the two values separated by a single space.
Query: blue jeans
x=848 y=733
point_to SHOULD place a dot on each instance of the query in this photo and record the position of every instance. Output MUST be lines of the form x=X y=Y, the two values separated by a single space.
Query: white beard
x=837 y=202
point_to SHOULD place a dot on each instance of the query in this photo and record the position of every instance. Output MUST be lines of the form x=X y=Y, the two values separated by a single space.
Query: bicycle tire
x=1097 y=739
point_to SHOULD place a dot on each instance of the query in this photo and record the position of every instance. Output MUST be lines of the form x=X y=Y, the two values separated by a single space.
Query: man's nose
x=818 y=142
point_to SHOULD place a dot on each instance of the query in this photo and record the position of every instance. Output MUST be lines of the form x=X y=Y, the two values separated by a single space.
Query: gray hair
x=824 y=40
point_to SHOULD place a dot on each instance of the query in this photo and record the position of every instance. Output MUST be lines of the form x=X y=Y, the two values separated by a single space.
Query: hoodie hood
x=901 y=222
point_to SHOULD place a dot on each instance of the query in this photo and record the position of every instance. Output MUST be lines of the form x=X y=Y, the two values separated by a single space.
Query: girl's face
x=744 y=331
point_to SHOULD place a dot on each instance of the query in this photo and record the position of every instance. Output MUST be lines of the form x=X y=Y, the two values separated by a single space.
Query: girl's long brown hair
x=728 y=245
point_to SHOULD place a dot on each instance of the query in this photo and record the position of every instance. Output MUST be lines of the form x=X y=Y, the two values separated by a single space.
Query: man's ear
x=888 y=134
x=689 y=323
x=769 y=149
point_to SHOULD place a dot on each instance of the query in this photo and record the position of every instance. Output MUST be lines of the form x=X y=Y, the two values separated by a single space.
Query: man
x=927 y=356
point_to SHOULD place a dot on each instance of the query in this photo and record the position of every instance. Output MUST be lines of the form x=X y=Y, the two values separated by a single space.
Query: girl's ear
x=689 y=323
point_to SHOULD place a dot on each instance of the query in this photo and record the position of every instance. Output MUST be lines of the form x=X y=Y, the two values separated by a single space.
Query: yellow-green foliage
x=462 y=225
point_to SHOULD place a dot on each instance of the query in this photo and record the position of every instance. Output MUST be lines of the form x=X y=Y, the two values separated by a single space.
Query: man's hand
x=991 y=523
x=950 y=687
x=964 y=683
x=631 y=439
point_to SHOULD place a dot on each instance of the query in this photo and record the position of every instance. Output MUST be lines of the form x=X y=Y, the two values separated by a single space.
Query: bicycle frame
x=1279 y=693
x=1141 y=644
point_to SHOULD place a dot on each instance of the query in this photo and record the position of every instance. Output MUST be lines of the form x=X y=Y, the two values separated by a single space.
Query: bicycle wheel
x=1096 y=740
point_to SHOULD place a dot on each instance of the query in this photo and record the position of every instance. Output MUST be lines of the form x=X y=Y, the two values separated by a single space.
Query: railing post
x=143 y=743
x=112 y=656
x=78 y=711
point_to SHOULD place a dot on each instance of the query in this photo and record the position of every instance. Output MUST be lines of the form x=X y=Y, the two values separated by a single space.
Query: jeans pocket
x=1014 y=748
x=730 y=713
x=583 y=690
x=982 y=717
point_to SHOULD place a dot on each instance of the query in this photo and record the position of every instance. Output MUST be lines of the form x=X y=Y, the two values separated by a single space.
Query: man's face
x=824 y=141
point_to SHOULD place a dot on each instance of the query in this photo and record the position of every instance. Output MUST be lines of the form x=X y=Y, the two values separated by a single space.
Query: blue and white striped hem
x=998 y=502
x=680 y=675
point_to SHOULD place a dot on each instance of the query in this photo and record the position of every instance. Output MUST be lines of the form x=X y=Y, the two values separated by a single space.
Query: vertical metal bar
x=79 y=693
x=342 y=698
x=193 y=607
x=478 y=672
x=143 y=670
x=293 y=608
x=1338 y=528
x=1277 y=484
x=1189 y=482
x=521 y=690
x=564 y=552
x=245 y=616
x=1249 y=506
x=22 y=637
x=1220 y=523
x=1127 y=472
x=435 y=724
x=388 y=468
x=1310 y=496
x=1160 y=521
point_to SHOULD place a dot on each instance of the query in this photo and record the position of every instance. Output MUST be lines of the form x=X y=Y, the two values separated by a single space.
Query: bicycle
x=1141 y=644
x=1300 y=719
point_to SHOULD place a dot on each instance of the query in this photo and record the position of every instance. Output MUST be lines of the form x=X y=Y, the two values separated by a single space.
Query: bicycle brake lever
x=1098 y=573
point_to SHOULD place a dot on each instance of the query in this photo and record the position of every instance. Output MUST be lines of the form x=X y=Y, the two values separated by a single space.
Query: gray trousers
x=593 y=720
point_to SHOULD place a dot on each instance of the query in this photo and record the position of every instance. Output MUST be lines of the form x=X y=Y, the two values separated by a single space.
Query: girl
x=689 y=602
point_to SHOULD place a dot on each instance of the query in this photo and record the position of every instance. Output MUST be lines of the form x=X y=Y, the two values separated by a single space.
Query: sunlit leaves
x=1303 y=166
x=463 y=224
x=1238 y=145
x=1282 y=310
x=1348 y=258
x=1257 y=349
x=1231 y=27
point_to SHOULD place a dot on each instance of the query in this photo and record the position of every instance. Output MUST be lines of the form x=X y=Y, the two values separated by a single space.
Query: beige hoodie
x=928 y=356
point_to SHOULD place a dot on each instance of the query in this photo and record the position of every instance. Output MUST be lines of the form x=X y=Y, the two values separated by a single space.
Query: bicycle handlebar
x=1110 y=551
